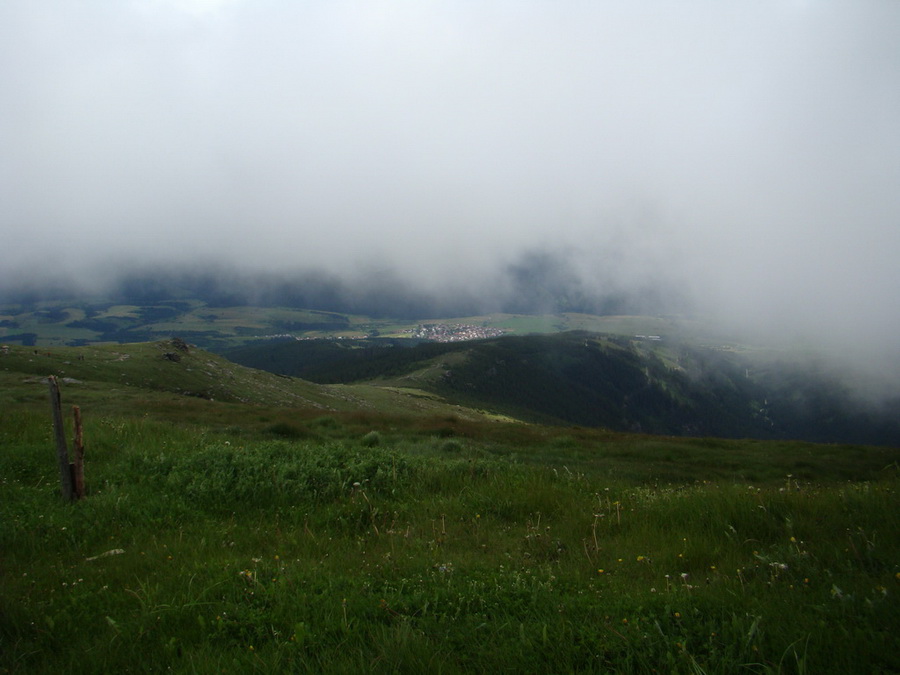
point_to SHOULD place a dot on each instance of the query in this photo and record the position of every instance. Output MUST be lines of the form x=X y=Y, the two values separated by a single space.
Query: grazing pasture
x=240 y=537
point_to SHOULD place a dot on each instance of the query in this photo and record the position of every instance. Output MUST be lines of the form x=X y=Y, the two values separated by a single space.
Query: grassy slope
x=139 y=374
x=213 y=540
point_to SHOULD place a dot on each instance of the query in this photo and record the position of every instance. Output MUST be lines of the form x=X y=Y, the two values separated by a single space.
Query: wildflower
x=599 y=571
x=793 y=540
x=677 y=615
x=641 y=558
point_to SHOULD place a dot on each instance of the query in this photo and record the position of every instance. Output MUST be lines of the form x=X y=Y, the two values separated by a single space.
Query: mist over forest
x=540 y=282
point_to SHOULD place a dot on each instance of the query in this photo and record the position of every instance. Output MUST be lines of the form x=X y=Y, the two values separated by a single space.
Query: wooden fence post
x=78 y=449
x=62 y=451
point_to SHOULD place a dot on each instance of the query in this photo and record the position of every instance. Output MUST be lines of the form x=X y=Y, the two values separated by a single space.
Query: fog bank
x=739 y=161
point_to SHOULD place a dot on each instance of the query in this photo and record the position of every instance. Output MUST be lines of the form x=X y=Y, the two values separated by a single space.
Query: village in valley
x=457 y=332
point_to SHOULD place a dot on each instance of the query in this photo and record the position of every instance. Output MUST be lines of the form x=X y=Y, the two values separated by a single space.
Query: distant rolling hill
x=187 y=384
x=691 y=382
x=587 y=379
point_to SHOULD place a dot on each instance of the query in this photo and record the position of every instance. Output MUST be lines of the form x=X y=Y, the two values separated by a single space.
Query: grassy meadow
x=239 y=536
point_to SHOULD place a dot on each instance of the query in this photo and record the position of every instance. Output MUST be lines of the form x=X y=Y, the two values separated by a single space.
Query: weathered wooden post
x=78 y=449
x=62 y=451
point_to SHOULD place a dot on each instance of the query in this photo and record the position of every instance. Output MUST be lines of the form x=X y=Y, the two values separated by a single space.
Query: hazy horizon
x=741 y=160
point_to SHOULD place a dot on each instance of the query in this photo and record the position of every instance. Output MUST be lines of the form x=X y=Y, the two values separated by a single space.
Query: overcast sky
x=748 y=152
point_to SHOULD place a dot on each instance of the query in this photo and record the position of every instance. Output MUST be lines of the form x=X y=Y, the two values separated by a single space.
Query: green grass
x=237 y=537
x=343 y=555
x=200 y=385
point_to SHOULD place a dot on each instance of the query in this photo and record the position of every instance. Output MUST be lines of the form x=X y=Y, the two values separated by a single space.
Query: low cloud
x=737 y=161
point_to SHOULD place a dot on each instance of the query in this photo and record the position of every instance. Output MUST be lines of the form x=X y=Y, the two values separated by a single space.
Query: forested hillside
x=602 y=381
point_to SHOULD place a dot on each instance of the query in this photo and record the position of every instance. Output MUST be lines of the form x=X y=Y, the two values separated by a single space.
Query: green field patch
x=121 y=312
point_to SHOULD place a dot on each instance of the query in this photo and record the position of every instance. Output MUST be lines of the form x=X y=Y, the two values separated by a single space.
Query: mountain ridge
x=595 y=380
